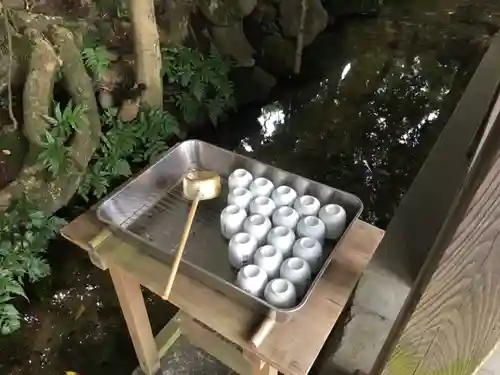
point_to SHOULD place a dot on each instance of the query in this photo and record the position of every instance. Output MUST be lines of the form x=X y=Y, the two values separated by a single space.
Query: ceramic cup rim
x=280 y=286
x=242 y=238
x=311 y=221
x=333 y=209
x=307 y=200
x=284 y=189
x=281 y=231
x=232 y=209
x=308 y=242
x=240 y=191
x=257 y=219
x=240 y=172
x=251 y=271
x=295 y=263
x=261 y=181
x=268 y=251
x=285 y=211
x=262 y=201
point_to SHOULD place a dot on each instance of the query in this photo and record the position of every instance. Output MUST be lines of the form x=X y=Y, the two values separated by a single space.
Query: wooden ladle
x=196 y=186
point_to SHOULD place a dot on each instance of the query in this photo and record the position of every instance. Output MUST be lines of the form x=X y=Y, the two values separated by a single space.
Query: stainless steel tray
x=150 y=209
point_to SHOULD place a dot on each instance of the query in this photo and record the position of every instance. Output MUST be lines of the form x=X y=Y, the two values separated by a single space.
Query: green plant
x=135 y=141
x=203 y=84
x=97 y=59
x=24 y=235
x=55 y=156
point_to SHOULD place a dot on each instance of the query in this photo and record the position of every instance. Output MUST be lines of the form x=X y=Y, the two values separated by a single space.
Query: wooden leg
x=134 y=310
x=263 y=368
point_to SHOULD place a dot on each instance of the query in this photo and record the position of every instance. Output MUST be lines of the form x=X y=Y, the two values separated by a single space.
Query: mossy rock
x=338 y=8
x=224 y=12
x=278 y=54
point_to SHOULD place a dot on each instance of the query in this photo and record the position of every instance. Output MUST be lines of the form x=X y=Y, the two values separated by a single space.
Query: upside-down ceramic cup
x=280 y=293
x=283 y=196
x=298 y=272
x=282 y=238
x=307 y=205
x=310 y=250
x=252 y=279
x=239 y=178
x=263 y=206
x=269 y=259
x=334 y=217
x=241 y=197
x=285 y=216
x=231 y=220
x=258 y=226
x=261 y=187
x=241 y=249
x=311 y=226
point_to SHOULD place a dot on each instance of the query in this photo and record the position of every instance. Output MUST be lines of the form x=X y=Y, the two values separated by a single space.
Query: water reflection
x=367 y=122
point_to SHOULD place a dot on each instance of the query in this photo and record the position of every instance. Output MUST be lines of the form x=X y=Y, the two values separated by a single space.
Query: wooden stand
x=215 y=323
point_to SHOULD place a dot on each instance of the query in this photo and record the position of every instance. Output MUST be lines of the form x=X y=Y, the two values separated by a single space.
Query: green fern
x=136 y=141
x=24 y=235
x=55 y=156
x=97 y=60
x=205 y=88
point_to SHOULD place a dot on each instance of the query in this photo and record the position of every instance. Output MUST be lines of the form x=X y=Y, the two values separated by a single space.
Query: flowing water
x=377 y=93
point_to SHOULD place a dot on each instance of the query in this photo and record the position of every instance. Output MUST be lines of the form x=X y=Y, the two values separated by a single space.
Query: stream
x=375 y=96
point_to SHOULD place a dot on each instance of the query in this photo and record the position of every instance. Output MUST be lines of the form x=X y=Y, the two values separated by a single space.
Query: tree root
x=52 y=194
x=42 y=69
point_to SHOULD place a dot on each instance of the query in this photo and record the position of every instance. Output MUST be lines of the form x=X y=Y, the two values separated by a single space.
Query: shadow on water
x=377 y=94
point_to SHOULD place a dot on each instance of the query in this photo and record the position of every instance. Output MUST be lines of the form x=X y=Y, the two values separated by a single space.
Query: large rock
x=316 y=19
x=278 y=54
x=252 y=85
x=231 y=40
x=337 y=8
x=224 y=12
x=174 y=22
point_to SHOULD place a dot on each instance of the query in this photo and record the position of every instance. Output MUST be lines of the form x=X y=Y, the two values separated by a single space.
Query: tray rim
x=259 y=300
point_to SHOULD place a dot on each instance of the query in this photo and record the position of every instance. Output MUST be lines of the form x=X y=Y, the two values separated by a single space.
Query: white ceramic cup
x=298 y=272
x=334 y=217
x=283 y=196
x=310 y=250
x=280 y=293
x=258 y=226
x=282 y=238
x=269 y=259
x=311 y=226
x=285 y=216
x=262 y=205
x=241 y=197
x=239 y=178
x=261 y=187
x=231 y=220
x=252 y=279
x=307 y=205
x=242 y=246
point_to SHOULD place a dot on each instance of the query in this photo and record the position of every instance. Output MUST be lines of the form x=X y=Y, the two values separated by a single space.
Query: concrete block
x=363 y=338
x=380 y=292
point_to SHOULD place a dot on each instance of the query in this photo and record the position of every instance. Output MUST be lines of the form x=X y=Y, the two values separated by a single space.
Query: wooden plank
x=451 y=321
x=168 y=335
x=134 y=311
x=291 y=347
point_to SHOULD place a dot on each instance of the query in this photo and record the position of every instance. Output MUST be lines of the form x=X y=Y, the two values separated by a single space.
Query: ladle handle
x=182 y=245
